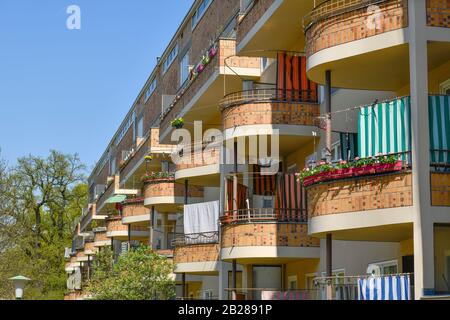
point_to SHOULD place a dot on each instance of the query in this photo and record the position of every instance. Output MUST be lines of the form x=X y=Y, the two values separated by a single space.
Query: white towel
x=201 y=217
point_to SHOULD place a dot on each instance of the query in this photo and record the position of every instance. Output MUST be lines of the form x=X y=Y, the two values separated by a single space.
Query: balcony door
x=266 y=277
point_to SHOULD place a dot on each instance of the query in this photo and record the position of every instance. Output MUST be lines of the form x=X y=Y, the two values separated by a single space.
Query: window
x=384 y=268
x=445 y=87
x=140 y=128
x=124 y=129
x=265 y=63
x=184 y=69
x=238 y=281
x=151 y=88
x=245 y=5
x=336 y=151
x=292 y=282
x=170 y=58
x=112 y=166
x=200 y=12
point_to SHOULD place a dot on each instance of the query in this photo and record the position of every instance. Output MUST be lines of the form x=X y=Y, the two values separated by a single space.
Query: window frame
x=197 y=18
x=171 y=57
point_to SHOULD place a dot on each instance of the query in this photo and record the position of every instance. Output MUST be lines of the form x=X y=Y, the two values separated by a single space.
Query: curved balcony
x=261 y=111
x=100 y=237
x=134 y=212
x=200 y=167
x=344 y=36
x=376 y=207
x=266 y=235
x=197 y=253
x=119 y=231
x=90 y=249
x=167 y=196
x=81 y=256
x=438 y=13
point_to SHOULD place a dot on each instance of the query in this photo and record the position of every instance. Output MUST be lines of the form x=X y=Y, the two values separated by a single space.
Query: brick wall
x=438 y=13
x=360 y=194
x=196 y=253
x=166 y=188
x=270 y=113
x=247 y=21
x=440 y=189
x=209 y=157
x=270 y=234
x=354 y=25
x=134 y=209
x=100 y=236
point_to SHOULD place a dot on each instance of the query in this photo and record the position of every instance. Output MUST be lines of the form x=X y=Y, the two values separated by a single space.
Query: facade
x=355 y=91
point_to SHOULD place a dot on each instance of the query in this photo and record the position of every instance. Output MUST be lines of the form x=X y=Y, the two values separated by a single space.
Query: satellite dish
x=374 y=270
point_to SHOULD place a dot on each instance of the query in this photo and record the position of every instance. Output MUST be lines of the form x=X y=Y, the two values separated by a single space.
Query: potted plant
x=343 y=170
x=388 y=163
x=200 y=68
x=325 y=171
x=212 y=52
x=178 y=123
x=364 y=166
x=205 y=59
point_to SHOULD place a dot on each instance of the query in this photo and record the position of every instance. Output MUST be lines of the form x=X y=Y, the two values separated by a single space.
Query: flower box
x=309 y=181
x=342 y=174
x=389 y=167
x=323 y=176
x=364 y=171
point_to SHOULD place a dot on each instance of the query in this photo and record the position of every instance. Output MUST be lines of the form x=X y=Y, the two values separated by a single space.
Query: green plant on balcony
x=177 y=123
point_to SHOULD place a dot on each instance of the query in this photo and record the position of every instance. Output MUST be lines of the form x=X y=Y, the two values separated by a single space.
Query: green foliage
x=139 y=274
x=40 y=199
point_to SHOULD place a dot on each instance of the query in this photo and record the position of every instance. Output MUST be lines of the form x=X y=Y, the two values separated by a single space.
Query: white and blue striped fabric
x=396 y=287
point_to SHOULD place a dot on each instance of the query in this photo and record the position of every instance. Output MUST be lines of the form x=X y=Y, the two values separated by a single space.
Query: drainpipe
x=186 y=194
x=234 y=279
x=328 y=113
x=329 y=266
x=129 y=237
x=152 y=224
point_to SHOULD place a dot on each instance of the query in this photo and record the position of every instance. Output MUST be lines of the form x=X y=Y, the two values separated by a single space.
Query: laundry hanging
x=395 y=287
x=201 y=218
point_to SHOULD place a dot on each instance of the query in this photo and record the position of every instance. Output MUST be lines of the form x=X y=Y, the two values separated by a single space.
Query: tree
x=40 y=200
x=139 y=274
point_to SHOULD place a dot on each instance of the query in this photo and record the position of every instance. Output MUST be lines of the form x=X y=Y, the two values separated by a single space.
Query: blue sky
x=69 y=89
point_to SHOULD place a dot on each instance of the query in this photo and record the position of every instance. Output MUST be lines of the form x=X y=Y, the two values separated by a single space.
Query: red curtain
x=292 y=81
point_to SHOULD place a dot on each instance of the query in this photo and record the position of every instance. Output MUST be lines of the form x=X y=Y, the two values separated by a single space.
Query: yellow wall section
x=299 y=156
x=435 y=78
x=301 y=269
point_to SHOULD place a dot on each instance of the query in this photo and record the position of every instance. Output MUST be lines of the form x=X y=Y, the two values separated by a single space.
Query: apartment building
x=206 y=166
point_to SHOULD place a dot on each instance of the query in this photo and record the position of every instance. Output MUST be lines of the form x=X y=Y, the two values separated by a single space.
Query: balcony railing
x=347 y=287
x=268 y=95
x=272 y=294
x=197 y=238
x=264 y=215
x=336 y=22
x=438 y=13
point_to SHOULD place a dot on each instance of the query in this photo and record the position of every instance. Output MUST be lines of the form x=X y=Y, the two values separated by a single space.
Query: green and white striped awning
x=439 y=117
x=385 y=128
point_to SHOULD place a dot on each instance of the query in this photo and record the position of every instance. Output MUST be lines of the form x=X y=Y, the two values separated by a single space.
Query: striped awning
x=385 y=128
x=439 y=118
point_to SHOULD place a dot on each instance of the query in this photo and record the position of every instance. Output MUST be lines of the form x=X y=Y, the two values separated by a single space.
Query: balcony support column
x=152 y=225
x=234 y=279
x=328 y=115
x=183 y=283
x=422 y=209
x=329 y=264
x=129 y=237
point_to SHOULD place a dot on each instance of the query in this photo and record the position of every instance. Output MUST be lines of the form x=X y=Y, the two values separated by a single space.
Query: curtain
x=290 y=197
x=349 y=145
x=395 y=287
x=263 y=185
x=439 y=118
x=292 y=82
x=241 y=195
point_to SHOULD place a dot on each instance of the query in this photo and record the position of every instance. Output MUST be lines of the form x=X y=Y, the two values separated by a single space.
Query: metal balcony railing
x=197 y=238
x=264 y=215
x=268 y=95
